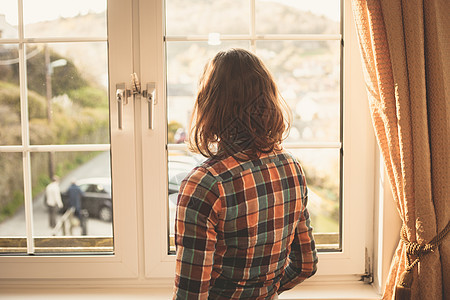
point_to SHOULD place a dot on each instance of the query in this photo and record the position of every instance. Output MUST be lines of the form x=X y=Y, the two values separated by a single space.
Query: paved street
x=100 y=167
x=97 y=167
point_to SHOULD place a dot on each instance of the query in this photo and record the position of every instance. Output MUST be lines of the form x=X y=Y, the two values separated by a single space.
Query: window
x=59 y=109
x=314 y=67
x=301 y=46
x=61 y=112
x=146 y=165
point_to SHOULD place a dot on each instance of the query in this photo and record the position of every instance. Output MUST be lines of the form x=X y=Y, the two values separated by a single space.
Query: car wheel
x=105 y=214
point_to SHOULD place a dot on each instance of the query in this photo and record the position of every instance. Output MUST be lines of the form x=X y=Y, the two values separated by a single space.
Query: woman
x=242 y=227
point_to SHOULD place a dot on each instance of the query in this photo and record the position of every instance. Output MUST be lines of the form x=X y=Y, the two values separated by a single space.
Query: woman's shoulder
x=213 y=169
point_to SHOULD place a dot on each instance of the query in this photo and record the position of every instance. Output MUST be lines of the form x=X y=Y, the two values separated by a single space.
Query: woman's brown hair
x=238 y=108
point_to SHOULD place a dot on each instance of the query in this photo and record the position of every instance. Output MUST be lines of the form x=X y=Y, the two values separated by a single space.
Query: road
x=99 y=166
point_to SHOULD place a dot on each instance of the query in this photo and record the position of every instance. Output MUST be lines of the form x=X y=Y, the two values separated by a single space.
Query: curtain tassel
x=413 y=249
x=403 y=289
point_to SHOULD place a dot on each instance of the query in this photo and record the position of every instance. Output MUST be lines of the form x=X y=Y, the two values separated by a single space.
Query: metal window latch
x=149 y=93
x=122 y=94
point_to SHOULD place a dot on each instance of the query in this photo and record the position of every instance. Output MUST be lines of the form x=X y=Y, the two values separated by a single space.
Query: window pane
x=308 y=76
x=12 y=212
x=67 y=88
x=321 y=167
x=297 y=17
x=192 y=17
x=8 y=19
x=180 y=163
x=185 y=64
x=322 y=174
x=91 y=172
x=10 y=130
x=65 y=18
x=67 y=93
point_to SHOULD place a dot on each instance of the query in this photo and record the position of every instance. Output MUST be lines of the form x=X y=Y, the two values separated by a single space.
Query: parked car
x=179 y=167
x=96 y=197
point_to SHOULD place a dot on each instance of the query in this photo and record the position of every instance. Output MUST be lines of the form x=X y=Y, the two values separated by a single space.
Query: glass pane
x=193 y=17
x=321 y=167
x=308 y=76
x=10 y=130
x=185 y=64
x=297 y=17
x=86 y=174
x=8 y=19
x=67 y=93
x=322 y=174
x=12 y=212
x=180 y=163
x=65 y=18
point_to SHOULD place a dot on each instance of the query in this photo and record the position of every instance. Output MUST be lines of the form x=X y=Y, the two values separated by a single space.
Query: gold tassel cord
x=403 y=288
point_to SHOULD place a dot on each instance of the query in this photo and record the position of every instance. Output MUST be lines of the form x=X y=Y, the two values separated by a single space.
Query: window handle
x=150 y=93
x=122 y=94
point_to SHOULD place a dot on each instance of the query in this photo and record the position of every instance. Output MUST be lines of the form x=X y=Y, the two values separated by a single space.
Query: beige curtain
x=405 y=46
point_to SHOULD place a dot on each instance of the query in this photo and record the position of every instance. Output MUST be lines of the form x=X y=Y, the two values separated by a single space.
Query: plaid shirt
x=243 y=230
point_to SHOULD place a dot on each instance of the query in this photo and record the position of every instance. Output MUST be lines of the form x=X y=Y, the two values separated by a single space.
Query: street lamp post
x=49 y=66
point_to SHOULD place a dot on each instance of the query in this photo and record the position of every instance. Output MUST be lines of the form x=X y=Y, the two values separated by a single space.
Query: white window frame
x=359 y=156
x=124 y=262
x=140 y=200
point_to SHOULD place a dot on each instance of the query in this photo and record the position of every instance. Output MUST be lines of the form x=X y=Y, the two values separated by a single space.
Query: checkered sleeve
x=302 y=260
x=195 y=235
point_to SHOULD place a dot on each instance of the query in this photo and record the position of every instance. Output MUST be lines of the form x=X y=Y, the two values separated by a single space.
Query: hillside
x=201 y=17
x=91 y=57
x=183 y=17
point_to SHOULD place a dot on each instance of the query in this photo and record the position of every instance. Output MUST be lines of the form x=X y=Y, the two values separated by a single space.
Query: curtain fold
x=405 y=47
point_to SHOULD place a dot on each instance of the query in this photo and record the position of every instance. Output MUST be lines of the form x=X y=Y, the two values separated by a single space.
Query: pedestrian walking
x=74 y=192
x=53 y=200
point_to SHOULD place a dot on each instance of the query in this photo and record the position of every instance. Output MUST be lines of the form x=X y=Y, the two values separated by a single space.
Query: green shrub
x=10 y=208
x=64 y=78
x=89 y=97
x=10 y=96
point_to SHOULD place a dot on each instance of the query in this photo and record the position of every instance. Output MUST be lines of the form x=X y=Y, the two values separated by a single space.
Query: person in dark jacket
x=74 y=192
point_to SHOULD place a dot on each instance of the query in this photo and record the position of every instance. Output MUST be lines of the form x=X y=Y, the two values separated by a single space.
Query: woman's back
x=242 y=228
x=255 y=208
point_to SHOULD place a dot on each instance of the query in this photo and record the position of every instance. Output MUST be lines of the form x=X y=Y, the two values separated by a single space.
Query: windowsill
x=329 y=292
x=332 y=292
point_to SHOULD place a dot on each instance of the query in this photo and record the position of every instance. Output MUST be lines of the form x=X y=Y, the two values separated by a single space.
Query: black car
x=96 y=197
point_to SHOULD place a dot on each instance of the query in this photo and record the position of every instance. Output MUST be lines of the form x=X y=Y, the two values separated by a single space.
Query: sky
x=329 y=8
x=38 y=10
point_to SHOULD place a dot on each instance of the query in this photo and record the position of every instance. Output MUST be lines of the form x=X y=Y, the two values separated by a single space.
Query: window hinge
x=367 y=277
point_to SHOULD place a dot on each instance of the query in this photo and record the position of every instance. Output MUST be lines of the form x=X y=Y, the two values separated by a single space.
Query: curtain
x=405 y=47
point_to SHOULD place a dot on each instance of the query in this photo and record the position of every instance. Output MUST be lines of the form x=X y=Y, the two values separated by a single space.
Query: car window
x=100 y=189
x=92 y=188
x=84 y=187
